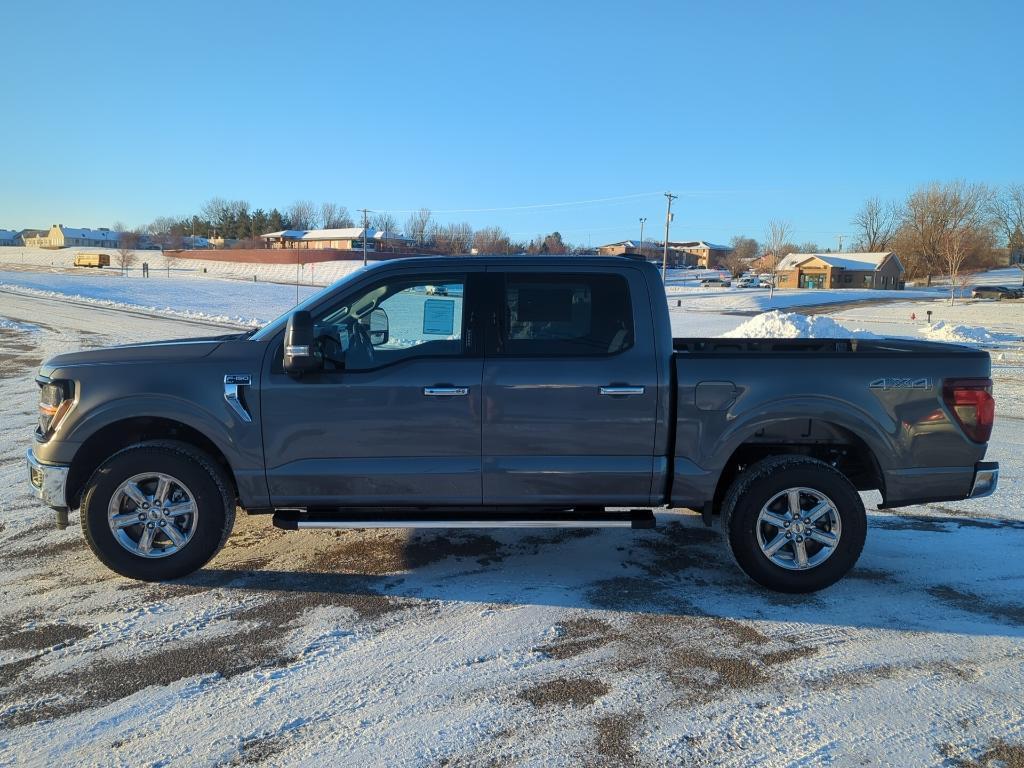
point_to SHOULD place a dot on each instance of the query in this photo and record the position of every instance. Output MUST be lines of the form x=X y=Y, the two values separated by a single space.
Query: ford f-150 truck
x=516 y=392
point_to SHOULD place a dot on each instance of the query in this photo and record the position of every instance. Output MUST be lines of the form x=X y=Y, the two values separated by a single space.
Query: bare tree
x=808 y=246
x=418 y=226
x=384 y=222
x=454 y=239
x=944 y=228
x=302 y=214
x=741 y=254
x=1006 y=208
x=334 y=216
x=491 y=240
x=964 y=209
x=776 y=240
x=127 y=242
x=876 y=226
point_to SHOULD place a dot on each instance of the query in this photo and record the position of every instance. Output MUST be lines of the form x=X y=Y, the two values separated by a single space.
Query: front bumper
x=48 y=482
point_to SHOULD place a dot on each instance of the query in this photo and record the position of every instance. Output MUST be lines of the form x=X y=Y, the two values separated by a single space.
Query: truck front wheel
x=794 y=524
x=157 y=510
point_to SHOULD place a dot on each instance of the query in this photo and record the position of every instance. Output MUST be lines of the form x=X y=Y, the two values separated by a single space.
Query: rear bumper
x=906 y=487
x=986 y=478
x=48 y=482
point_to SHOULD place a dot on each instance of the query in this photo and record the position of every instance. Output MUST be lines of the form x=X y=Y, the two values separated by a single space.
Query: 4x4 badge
x=898 y=382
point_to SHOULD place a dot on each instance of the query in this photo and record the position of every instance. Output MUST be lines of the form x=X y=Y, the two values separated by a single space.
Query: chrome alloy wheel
x=152 y=515
x=798 y=529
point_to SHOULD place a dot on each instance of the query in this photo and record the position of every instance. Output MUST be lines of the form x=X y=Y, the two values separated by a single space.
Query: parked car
x=715 y=282
x=998 y=292
x=749 y=282
x=548 y=392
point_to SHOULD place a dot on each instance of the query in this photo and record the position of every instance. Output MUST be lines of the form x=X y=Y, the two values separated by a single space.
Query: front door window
x=396 y=320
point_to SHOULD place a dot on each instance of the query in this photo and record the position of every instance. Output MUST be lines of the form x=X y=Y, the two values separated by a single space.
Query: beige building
x=705 y=255
x=881 y=271
x=60 y=236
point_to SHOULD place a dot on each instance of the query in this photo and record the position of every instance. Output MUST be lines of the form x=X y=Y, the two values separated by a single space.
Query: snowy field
x=531 y=648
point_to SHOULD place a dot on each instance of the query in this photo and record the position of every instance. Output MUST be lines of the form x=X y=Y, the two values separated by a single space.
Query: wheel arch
x=116 y=435
x=842 y=447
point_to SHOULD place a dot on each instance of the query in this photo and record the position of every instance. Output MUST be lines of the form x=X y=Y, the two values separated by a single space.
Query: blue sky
x=748 y=110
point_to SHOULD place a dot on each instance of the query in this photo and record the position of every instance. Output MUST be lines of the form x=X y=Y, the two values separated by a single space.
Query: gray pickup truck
x=505 y=392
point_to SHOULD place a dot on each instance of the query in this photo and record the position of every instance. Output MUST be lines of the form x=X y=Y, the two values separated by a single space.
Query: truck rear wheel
x=794 y=524
x=157 y=510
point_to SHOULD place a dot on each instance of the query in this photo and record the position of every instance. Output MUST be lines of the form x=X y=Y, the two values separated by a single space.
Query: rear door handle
x=446 y=391
x=613 y=391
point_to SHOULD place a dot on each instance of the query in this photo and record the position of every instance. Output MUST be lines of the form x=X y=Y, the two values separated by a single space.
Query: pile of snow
x=788 y=325
x=965 y=334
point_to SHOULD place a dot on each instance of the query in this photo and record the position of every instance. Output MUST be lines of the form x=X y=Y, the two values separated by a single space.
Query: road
x=511 y=648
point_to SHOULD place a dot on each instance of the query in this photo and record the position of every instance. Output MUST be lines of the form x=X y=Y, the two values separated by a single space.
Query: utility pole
x=643 y=220
x=668 y=220
x=840 y=237
x=366 y=224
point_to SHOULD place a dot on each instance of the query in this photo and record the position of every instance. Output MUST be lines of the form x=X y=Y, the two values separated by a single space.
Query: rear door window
x=564 y=315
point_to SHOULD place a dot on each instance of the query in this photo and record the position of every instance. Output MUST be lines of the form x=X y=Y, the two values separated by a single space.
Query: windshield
x=279 y=322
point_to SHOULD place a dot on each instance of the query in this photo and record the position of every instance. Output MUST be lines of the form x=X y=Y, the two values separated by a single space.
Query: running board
x=291 y=520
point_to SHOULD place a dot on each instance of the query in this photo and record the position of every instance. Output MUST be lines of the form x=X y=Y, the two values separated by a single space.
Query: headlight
x=54 y=403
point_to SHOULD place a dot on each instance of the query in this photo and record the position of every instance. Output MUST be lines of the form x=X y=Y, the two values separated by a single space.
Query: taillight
x=971 y=403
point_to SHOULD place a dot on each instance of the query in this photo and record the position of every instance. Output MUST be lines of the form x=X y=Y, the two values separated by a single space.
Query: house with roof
x=688 y=253
x=9 y=237
x=60 y=236
x=631 y=248
x=704 y=254
x=344 y=238
x=24 y=234
x=880 y=271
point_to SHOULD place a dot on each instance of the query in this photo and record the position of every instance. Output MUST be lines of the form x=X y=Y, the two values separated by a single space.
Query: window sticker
x=438 y=317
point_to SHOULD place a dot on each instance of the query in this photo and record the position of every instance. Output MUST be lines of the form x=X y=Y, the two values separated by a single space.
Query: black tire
x=212 y=498
x=763 y=481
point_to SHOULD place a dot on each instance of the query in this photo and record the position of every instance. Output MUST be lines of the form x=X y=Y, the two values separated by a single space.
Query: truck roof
x=518 y=260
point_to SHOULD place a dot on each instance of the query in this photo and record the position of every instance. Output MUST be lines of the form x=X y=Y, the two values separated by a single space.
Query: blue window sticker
x=439 y=317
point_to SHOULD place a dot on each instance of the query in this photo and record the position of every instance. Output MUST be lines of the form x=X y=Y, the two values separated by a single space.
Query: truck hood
x=154 y=351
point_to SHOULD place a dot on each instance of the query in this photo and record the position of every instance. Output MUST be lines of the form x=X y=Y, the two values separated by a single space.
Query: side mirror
x=378 y=327
x=300 y=351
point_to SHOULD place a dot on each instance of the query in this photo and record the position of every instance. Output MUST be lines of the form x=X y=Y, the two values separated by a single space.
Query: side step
x=291 y=520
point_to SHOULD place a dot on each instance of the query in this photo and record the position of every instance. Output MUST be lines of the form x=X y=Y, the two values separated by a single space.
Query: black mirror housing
x=300 y=350
x=379 y=327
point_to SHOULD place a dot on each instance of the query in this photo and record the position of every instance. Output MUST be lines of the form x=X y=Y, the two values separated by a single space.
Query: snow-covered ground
x=202 y=298
x=320 y=274
x=526 y=648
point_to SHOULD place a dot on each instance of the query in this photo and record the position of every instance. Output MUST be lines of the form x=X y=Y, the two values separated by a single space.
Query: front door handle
x=446 y=391
x=619 y=391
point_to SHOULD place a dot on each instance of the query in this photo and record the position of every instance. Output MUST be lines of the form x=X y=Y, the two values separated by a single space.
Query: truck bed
x=879 y=399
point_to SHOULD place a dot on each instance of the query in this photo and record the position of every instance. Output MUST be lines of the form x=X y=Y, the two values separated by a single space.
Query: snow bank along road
x=535 y=648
